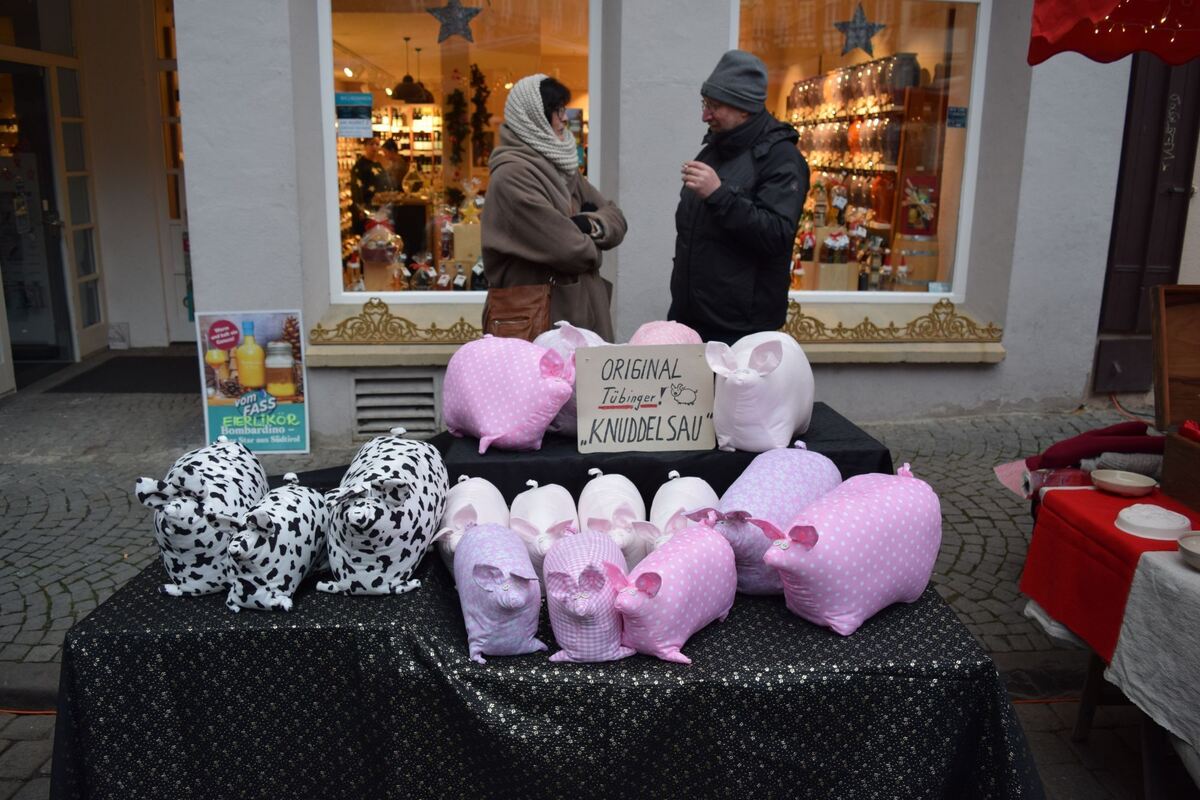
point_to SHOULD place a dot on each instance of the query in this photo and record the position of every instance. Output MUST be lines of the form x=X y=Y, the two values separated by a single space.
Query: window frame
x=963 y=242
x=337 y=293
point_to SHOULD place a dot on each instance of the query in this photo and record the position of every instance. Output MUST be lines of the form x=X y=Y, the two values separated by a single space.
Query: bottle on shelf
x=460 y=278
x=479 y=281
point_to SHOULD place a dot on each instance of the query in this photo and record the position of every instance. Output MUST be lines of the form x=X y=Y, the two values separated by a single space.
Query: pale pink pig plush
x=677 y=590
x=776 y=486
x=541 y=515
x=565 y=339
x=471 y=501
x=499 y=593
x=665 y=332
x=867 y=544
x=672 y=502
x=764 y=391
x=505 y=392
x=581 y=599
x=611 y=504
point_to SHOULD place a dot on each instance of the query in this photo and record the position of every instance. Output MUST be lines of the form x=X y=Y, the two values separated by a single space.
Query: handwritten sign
x=644 y=398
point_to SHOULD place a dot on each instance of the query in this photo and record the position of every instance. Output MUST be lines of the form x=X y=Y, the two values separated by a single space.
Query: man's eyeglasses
x=710 y=105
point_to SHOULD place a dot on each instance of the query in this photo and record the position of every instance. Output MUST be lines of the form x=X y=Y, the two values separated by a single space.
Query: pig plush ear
x=720 y=358
x=552 y=365
x=154 y=493
x=465 y=517
x=768 y=528
x=343 y=494
x=572 y=335
x=395 y=490
x=804 y=535
x=649 y=582
x=705 y=516
x=523 y=573
x=599 y=525
x=559 y=585
x=591 y=579
x=564 y=527
x=766 y=357
x=261 y=519
x=678 y=521
x=646 y=531
x=615 y=576
x=487 y=577
x=735 y=516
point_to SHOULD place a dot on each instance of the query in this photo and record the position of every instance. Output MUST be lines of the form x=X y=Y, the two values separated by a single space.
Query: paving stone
x=1071 y=781
x=23 y=759
x=9 y=788
x=36 y=789
x=1037 y=717
x=29 y=726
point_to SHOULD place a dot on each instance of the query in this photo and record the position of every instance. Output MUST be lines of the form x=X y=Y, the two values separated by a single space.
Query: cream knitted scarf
x=524 y=115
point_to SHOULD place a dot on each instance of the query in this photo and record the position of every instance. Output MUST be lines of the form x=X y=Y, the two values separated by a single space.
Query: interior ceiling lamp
x=408 y=90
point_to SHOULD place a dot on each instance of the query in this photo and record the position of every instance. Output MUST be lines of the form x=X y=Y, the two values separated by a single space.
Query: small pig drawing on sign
x=683 y=395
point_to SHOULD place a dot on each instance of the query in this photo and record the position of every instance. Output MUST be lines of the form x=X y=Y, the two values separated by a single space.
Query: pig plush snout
x=239 y=547
x=182 y=510
x=510 y=595
x=630 y=600
x=362 y=515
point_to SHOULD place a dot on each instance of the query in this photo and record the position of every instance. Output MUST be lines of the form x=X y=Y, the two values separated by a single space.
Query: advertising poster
x=353 y=115
x=252 y=363
x=643 y=397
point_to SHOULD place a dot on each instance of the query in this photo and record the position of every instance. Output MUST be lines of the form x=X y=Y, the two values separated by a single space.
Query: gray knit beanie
x=740 y=80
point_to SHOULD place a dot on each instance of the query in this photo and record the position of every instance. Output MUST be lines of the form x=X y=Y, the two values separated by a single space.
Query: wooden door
x=1154 y=186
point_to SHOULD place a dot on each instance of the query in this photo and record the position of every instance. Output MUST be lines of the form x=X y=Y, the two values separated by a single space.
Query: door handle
x=1188 y=191
x=53 y=221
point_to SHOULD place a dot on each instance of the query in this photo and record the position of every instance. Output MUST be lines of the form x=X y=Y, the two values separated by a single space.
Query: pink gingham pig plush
x=678 y=589
x=764 y=391
x=582 y=600
x=867 y=544
x=672 y=502
x=565 y=339
x=541 y=515
x=471 y=501
x=499 y=593
x=776 y=486
x=665 y=332
x=505 y=391
x=611 y=504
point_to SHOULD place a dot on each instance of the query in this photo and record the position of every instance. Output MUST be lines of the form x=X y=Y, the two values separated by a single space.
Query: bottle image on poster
x=252 y=363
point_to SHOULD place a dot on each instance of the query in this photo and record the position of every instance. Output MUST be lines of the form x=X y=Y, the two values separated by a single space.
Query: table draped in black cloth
x=366 y=697
x=558 y=461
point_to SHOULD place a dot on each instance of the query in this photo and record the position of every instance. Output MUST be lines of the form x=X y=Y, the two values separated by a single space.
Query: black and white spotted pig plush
x=197 y=508
x=384 y=514
x=281 y=540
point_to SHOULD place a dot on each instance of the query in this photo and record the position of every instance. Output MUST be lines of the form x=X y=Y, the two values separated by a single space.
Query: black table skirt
x=852 y=450
x=360 y=697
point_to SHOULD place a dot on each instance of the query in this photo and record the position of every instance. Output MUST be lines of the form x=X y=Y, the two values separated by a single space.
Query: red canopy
x=1106 y=30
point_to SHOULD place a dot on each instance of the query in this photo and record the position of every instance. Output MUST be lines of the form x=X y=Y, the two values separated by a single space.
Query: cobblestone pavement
x=71 y=534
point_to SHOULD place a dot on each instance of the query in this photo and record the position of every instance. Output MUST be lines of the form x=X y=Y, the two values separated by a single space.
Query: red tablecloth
x=1080 y=566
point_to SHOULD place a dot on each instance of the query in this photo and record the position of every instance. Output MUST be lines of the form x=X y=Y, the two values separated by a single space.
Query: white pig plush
x=541 y=515
x=673 y=500
x=471 y=501
x=281 y=540
x=384 y=514
x=764 y=391
x=565 y=339
x=612 y=504
x=197 y=509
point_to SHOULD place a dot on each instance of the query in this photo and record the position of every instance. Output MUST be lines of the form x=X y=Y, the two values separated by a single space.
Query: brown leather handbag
x=518 y=312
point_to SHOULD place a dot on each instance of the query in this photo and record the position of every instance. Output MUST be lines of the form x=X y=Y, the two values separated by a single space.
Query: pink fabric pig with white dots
x=565 y=339
x=581 y=598
x=776 y=486
x=665 y=332
x=611 y=504
x=505 y=391
x=867 y=544
x=677 y=590
x=471 y=501
x=500 y=595
x=541 y=515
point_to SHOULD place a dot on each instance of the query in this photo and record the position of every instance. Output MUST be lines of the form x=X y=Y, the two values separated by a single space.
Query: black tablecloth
x=375 y=697
x=852 y=450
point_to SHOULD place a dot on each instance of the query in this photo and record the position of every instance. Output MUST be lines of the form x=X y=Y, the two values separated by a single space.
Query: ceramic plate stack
x=1152 y=522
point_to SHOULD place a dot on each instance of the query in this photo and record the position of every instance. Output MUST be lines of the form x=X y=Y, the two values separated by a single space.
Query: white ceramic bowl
x=1118 y=481
x=1189 y=548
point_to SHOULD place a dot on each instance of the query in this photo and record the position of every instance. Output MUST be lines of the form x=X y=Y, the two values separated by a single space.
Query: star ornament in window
x=455 y=18
x=857 y=30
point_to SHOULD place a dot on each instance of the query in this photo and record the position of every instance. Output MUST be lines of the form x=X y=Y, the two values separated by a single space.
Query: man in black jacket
x=738 y=210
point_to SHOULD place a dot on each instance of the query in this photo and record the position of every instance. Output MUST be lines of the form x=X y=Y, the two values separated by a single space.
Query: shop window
x=879 y=92
x=417 y=120
x=37 y=25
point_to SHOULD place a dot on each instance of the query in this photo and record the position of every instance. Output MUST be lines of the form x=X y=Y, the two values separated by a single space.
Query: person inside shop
x=543 y=222
x=368 y=177
x=395 y=164
x=738 y=210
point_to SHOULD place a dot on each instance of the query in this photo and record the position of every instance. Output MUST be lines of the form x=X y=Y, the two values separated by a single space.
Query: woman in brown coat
x=542 y=220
